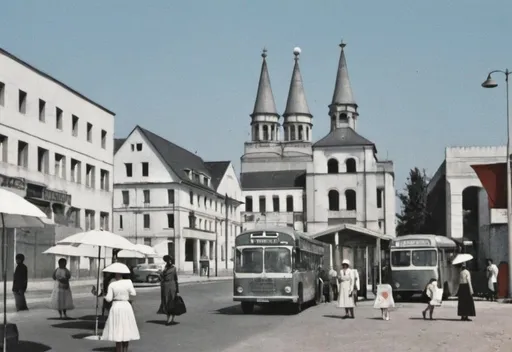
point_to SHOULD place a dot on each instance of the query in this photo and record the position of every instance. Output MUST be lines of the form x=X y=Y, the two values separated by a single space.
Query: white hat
x=346 y=261
x=117 y=268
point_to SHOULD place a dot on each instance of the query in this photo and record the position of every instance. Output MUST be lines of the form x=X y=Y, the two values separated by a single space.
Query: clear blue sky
x=188 y=70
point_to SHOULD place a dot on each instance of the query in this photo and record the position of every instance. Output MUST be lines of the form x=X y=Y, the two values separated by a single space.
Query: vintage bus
x=276 y=265
x=415 y=259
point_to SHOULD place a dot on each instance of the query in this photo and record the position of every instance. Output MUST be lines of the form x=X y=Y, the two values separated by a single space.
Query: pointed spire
x=264 y=104
x=296 y=103
x=343 y=89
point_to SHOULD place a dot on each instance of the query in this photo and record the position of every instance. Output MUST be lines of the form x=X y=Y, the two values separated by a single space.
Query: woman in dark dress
x=466 y=304
x=169 y=289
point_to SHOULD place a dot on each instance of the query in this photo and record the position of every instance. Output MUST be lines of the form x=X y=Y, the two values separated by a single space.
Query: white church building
x=335 y=189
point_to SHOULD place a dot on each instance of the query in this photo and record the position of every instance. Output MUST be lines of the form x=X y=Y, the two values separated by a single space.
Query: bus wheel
x=300 y=301
x=247 y=307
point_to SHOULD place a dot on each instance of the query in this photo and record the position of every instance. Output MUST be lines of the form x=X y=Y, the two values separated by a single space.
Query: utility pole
x=216 y=249
x=226 y=230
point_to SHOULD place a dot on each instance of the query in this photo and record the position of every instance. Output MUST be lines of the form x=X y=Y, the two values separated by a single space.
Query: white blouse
x=120 y=291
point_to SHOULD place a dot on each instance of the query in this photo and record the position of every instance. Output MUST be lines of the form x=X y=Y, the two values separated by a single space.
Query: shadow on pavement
x=161 y=322
x=265 y=310
x=82 y=335
x=333 y=316
x=441 y=319
x=104 y=349
x=61 y=319
x=92 y=318
x=28 y=346
x=79 y=325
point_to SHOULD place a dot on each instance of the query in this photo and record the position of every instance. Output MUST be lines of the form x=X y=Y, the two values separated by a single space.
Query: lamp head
x=489 y=83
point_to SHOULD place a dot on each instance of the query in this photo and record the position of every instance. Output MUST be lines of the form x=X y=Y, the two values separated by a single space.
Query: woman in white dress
x=346 y=280
x=61 y=299
x=121 y=326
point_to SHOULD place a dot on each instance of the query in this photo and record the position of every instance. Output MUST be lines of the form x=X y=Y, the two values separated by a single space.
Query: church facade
x=333 y=183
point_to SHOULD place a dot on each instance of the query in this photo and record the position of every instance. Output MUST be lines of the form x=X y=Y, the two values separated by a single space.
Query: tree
x=414 y=216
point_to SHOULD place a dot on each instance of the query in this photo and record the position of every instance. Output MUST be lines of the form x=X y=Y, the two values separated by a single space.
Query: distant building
x=166 y=194
x=56 y=150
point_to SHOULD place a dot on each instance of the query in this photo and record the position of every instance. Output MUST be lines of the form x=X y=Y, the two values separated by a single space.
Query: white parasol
x=142 y=251
x=117 y=268
x=15 y=212
x=462 y=258
x=67 y=250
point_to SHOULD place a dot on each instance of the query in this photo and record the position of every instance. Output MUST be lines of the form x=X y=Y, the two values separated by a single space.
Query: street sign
x=499 y=216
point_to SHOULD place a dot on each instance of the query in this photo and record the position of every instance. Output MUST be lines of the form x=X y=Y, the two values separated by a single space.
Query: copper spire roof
x=264 y=104
x=296 y=103
x=343 y=89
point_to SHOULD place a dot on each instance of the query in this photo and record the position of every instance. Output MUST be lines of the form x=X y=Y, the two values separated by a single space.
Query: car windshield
x=424 y=257
x=278 y=260
x=400 y=258
x=249 y=260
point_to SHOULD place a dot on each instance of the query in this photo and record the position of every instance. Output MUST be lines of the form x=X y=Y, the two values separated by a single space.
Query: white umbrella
x=68 y=250
x=142 y=251
x=15 y=210
x=461 y=258
x=100 y=239
x=117 y=268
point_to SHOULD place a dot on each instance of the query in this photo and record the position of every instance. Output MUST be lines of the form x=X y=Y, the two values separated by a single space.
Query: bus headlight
x=239 y=289
x=288 y=289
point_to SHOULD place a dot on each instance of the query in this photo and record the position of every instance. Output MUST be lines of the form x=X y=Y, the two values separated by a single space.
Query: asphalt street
x=214 y=323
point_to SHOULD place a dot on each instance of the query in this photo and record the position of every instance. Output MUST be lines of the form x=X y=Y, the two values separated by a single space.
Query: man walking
x=492 y=280
x=19 y=283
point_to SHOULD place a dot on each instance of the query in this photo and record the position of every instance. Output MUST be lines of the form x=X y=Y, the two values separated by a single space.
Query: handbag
x=179 y=306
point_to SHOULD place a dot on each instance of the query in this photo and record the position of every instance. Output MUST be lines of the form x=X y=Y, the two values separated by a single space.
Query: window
x=301 y=133
x=139 y=147
x=198 y=201
x=22 y=154
x=76 y=171
x=334 y=200
x=103 y=139
x=191 y=194
x=58 y=118
x=89 y=132
x=60 y=165
x=126 y=197
x=248 y=260
x=145 y=169
x=43 y=163
x=289 y=204
x=90 y=221
x=74 y=125
x=170 y=196
x=275 y=203
x=22 y=102
x=292 y=133
x=380 y=194
x=120 y=222
x=248 y=204
x=350 y=197
x=104 y=221
x=147 y=222
x=133 y=147
x=196 y=178
x=263 y=204
x=192 y=220
x=2 y=93
x=42 y=110
x=332 y=166
x=206 y=181
x=205 y=202
x=350 y=164
x=90 y=176
x=104 y=180
x=129 y=169
x=265 y=133
x=170 y=221
x=401 y=258
x=4 y=142
x=425 y=257
x=278 y=260
x=147 y=241
x=147 y=198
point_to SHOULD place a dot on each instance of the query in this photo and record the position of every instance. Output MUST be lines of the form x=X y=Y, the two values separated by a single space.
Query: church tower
x=265 y=119
x=343 y=109
x=297 y=122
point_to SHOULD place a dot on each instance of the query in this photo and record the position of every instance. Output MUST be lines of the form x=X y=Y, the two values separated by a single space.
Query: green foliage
x=414 y=216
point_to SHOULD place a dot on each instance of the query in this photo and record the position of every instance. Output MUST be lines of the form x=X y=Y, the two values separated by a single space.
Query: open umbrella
x=15 y=211
x=117 y=268
x=67 y=250
x=142 y=251
x=101 y=239
x=461 y=258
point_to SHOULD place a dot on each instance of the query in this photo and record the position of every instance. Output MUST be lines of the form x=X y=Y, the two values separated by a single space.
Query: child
x=432 y=292
x=384 y=300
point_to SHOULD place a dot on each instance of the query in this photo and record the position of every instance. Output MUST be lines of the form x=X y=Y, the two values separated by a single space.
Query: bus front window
x=400 y=258
x=424 y=257
x=278 y=260
x=249 y=260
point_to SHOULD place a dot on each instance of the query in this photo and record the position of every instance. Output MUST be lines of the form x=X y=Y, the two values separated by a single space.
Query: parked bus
x=415 y=259
x=276 y=265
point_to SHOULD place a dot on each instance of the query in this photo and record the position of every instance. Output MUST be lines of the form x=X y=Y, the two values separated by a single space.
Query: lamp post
x=490 y=83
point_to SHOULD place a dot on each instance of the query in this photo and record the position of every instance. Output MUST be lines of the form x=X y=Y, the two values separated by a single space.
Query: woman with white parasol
x=121 y=326
x=466 y=304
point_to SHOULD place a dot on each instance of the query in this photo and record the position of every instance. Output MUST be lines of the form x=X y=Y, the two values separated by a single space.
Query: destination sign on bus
x=412 y=243
x=264 y=240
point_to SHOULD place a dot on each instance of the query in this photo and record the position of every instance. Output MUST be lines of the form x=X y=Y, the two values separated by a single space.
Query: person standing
x=169 y=289
x=62 y=299
x=20 y=283
x=345 y=294
x=333 y=277
x=466 y=304
x=121 y=326
x=492 y=280
x=357 y=287
x=431 y=293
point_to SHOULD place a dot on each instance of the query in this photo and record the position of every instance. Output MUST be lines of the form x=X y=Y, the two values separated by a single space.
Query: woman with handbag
x=61 y=299
x=169 y=290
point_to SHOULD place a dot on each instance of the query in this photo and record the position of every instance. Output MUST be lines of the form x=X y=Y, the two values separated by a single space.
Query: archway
x=470 y=222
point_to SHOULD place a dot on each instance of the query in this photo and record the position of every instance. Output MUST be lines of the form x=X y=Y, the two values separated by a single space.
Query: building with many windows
x=56 y=150
x=166 y=194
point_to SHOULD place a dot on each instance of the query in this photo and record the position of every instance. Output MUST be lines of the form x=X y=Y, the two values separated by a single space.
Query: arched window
x=334 y=200
x=286 y=134
x=343 y=117
x=301 y=133
x=350 y=198
x=265 y=132
x=350 y=164
x=272 y=132
x=292 y=133
x=332 y=166
x=307 y=133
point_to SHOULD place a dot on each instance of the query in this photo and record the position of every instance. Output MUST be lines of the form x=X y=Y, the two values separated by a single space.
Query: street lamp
x=490 y=83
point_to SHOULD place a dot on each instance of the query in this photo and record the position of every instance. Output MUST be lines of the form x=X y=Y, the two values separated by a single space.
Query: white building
x=331 y=188
x=56 y=150
x=164 y=193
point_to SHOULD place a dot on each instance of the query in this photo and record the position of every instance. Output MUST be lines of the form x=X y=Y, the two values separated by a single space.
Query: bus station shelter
x=362 y=246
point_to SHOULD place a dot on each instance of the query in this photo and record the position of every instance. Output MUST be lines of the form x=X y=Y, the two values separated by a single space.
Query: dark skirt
x=20 y=301
x=466 y=304
x=167 y=298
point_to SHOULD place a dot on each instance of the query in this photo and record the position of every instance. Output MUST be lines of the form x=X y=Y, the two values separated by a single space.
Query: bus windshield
x=424 y=257
x=400 y=258
x=249 y=260
x=278 y=260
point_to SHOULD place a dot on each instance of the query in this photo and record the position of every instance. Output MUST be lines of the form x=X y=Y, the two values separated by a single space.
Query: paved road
x=215 y=324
